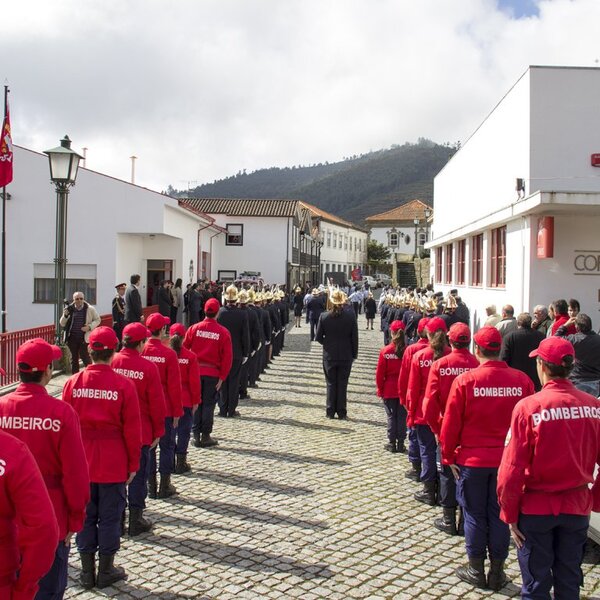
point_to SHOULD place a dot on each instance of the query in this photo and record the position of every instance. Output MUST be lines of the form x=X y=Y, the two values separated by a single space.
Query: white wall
x=347 y=256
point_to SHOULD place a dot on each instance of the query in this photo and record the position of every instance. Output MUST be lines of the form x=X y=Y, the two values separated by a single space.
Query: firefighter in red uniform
x=386 y=379
x=414 y=456
x=146 y=378
x=109 y=413
x=27 y=523
x=168 y=366
x=417 y=383
x=190 y=387
x=545 y=474
x=474 y=430
x=443 y=372
x=51 y=430
x=211 y=343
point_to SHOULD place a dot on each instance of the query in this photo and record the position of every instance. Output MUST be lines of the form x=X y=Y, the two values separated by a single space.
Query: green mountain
x=353 y=188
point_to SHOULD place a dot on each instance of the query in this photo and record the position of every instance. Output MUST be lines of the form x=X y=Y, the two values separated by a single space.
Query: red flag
x=6 y=152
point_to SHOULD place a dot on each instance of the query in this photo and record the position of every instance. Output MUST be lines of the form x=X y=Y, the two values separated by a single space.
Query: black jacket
x=338 y=334
x=266 y=324
x=516 y=347
x=133 y=305
x=587 y=355
x=315 y=307
x=236 y=321
x=275 y=318
x=253 y=327
x=165 y=301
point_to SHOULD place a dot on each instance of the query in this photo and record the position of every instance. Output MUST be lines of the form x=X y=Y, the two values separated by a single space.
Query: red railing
x=10 y=342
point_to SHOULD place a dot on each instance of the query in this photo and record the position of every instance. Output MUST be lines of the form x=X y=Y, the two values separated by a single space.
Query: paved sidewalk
x=294 y=505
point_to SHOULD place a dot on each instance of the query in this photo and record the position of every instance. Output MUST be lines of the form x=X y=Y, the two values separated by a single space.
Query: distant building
x=518 y=206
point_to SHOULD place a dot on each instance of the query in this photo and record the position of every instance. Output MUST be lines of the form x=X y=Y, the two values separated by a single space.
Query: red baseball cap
x=459 y=332
x=212 y=306
x=396 y=325
x=435 y=324
x=553 y=350
x=177 y=329
x=103 y=338
x=488 y=338
x=156 y=321
x=422 y=324
x=136 y=332
x=36 y=354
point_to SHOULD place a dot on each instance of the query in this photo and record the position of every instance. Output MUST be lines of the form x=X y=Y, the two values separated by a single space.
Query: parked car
x=370 y=280
x=383 y=279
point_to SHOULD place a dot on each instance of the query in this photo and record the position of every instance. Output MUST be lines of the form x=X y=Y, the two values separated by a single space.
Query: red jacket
x=443 y=372
x=420 y=366
x=388 y=369
x=561 y=320
x=190 y=378
x=478 y=411
x=151 y=397
x=109 y=413
x=553 y=451
x=28 y=529
x=211 y=343
x=50 y=428
x=409 y=352
x=168 y=367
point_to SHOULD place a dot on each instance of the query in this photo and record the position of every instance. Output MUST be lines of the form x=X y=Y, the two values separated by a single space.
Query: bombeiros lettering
x=453 y=371
x=95 y=394
x=130 y=374
x=563 y=413
x=390 y=357
x=158 y=359
x=211 y=335
x=30 y=423
x=497 y=392
x=184 y=361
x=2 y=467
x=425 y=363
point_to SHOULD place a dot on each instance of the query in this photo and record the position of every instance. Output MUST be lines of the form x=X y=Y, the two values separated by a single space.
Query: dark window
x=498 y=257
x=235 y=235
x=438 y=265
x=44 y=290
x=460 y=262
x=449 y=264
x=477 y=260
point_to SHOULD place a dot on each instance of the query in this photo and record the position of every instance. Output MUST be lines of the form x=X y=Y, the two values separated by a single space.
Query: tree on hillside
x=377 y=254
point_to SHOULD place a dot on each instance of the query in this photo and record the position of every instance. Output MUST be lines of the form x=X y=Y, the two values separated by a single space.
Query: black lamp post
x=416 y=222
x=64 y=164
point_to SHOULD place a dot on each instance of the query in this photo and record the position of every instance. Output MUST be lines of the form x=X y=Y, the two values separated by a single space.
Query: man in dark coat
x=118 y=310
x=518 y=344
x=165 y=300
x=275 y=316
x=243 y=298
x=236 y=322
x=314 y=308
x=133 y=301
x=337 y=332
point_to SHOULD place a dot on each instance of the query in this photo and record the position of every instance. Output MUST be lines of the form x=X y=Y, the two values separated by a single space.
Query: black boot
x=196 y=441
x=447 y=523
x=181 y=464
x=137 y=523
x=497 y=578
x=460 y=529
x=473 y=573
x=87 y=578
x=207 y=442
x=107 y=572
x=414 y=472
x=400 y=447
x=427 y=494
x=166 y=489
x=391 y=447
x=152 y=486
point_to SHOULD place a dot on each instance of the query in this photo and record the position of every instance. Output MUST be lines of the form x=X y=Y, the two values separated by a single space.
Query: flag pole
x=4 y=230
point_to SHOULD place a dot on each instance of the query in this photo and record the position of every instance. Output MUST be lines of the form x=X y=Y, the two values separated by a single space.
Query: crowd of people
x=505 y=439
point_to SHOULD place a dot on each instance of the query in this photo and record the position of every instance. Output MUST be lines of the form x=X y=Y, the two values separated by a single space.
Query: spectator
x=541 y=321
x=574 y=308
x=165 y=300
x=133 y=301
x=508 y=322
x=559 y=312
x=517 y=345
x=462 y=313
x=493 y=318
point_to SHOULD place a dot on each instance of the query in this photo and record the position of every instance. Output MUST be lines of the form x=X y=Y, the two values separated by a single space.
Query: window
x=477 y=260
x=335 y=240
x=345 y=242
x=498 y=257
x=422 y=238
x=394 y=240
x=80 y=278
x=328 y=238
x=235 y=235
x=460 y=261
x=226 y=275
x=438 y=265
x=294 y=237
x=449 y=264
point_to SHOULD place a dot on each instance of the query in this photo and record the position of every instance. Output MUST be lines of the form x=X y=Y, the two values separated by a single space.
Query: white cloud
x=200 y=89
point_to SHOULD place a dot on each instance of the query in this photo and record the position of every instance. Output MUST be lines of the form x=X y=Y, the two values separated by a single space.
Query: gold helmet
x=252 y=295
x=242 y=297
x=337 y=297
x=450 y=303
x=231 y=293
x=431 y=305
x=268 y=295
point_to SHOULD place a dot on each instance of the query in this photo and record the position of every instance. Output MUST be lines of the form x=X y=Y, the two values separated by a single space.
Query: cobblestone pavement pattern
x=294 y=505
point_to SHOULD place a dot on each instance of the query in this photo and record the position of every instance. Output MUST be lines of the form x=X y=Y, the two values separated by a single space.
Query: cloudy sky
x=199 y=89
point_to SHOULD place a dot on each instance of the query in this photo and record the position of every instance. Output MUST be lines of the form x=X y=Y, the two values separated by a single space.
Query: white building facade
x=525 y=176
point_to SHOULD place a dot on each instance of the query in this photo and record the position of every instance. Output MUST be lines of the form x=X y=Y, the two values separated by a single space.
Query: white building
x=529 y=166
x=115 y=229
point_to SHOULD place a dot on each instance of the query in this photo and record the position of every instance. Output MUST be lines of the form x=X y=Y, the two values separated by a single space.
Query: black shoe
x=252 y=385
x=244 y=396
x=258 y=379
x=391 y=447
x=87 y=577
x=223 y=415
x=207 y=442
x=107 y=572
x=152 y=486
x=166 y=488
x=414 y=472
x=447 y=523
x=400 y=448
x=497 y=578
x=235 y=414
x=181 y=464
x=473 y=573
x=137 y=523
x=427 y=495
x=330 y=416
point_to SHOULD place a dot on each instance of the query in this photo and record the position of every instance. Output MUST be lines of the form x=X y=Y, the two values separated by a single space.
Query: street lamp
x=428 y=212
x=416 y=222
x=64 y=164
x=393 y=243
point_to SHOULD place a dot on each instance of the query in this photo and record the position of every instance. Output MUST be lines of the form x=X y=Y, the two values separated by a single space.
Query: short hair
x=33 y=377
x=541 y=308
x=491 y=307
x=134 y=279
x=560 y=306
x=574 y=304
x=488 y=353
x=561 y=371
x=101 y=355
x=508 y=309
x=128 y=343
x=524 y=320
x=583 y=323
x=156 y=332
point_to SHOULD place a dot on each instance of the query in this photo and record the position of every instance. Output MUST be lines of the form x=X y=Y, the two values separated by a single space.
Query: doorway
x=158 y=270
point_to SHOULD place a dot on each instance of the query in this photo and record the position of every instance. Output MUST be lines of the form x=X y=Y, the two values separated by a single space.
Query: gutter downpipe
x=210 y=248
x=287 y=256
x=198 y=250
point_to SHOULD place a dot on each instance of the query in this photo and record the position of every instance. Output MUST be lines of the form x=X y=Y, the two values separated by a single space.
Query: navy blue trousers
x=447 y=489
x=337 y=373
x=552 y=555
x=427 y=450
x=484 y=531
x=184 y=430
x=138 y=488
x=230 y=392
x=102 y=527
x=166 y=444
x=396 y=420
x=204 y=417
x=54 y=583
x=414 y=456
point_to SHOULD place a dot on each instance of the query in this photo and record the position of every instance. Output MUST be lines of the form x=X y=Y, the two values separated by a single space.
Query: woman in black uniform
x=298 y=304
x=370 y=309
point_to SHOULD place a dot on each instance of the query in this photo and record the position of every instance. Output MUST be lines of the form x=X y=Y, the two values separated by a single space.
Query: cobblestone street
x=294 y=505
